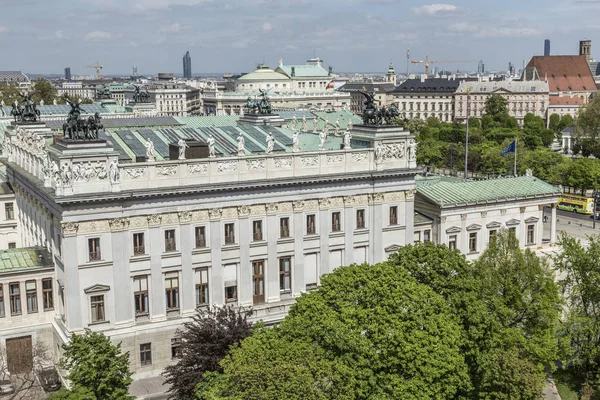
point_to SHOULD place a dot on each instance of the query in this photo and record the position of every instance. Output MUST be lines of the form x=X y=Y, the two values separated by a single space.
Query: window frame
x=200 y=237
x=15 y=299
x=258 y=278
x=336 y=215
x=452 y=242
x=472 y=242
x=97 y=309
x=94 y=249
x=229 y=228
x=145 y=354
x=2 y=308
x=284 y=228
x=530 y=234
x=427 y=235
x=257 y=231
x=393 y=215
x=170 y=242
x=492 y=234
x=48 y=295
x=171 y=293
x=9 y=208
x=311 y=229
x=200 y=285
x=283 y=274
x=176 y=348
x=139 y=249
x=361 y=222
x=138 y=296
x=31 y=295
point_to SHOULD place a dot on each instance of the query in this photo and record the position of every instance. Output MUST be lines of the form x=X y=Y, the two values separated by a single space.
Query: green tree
x=205 y=340
x=9 y=93
x=43 y=90
x=554 y=123
x=78 y=393
x=565 y=122
x=587 y=124
x=580 y=285
x=495 y=106
x=96 y=365
x=545 y=164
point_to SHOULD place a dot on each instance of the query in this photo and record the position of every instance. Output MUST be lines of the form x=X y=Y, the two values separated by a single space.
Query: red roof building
x=565 y=73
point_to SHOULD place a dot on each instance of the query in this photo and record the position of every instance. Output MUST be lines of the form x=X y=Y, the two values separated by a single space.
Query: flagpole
x=515 y=169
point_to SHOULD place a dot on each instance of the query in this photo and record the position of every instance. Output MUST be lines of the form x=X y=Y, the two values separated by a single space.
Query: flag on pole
x=512 y=147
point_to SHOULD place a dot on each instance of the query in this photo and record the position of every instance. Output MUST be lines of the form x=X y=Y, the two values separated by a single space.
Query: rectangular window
x=394 y=215
x=1 y=300
x=427 y=235
x=172 y=290
x=138 y=244
x=492 y=234
x=140 y=294
x=417 y=237
x=257 y=233
x=285 y=274
x=512 y=231
x=229 y=234
x=360 y=219
x=94 y=249
x=284 y=227
x=201 y=286
x=146 y=354
x=9 y=211
x=336 y=221
x=230 y=279
x=452 y=242
x=258 y=281
x=31 y=295
x=15 y=298
x=311 y=227
x=47 y=294
x=97 y=304
x=176 y=348
x=200 y=237
x=12 y=245
x=472 y=242
x=531 y=234
x=170 y=240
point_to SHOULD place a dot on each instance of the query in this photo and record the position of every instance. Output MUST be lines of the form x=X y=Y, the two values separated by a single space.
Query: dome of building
x=263 y=73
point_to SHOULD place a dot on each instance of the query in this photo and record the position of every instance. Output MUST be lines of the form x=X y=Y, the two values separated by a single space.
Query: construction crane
x=428 y=61
x=97 y=67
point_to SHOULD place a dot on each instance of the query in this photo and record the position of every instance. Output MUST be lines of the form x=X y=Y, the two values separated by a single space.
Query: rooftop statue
x=139 y=96
x=77 y=128
x=373 y=115
x=102 y=92
x=260 y=104
x=26 y=113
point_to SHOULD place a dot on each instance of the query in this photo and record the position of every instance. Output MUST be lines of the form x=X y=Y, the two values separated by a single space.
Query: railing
x=336 y=227
x=393 y=220
x=137 y=250
x=200 y=242
x=310 y=229
x=284 y=232
x=360 y=224
x=94 y=255
x=257 y=236
x=170 y=245
x=230 y=239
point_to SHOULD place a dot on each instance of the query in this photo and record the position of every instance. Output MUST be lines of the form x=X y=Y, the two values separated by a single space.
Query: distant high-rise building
x=187 y=66
x=68 y=74
x=511 y=68
x=480 y=67
x=546 y=47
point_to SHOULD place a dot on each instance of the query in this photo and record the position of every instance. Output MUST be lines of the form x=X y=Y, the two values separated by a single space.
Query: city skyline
x=357 y=35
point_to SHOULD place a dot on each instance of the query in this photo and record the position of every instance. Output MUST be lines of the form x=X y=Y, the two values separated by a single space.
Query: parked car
x=6 y=385
x=49 y=379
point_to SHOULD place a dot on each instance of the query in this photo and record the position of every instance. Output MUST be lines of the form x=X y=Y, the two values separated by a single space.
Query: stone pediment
x=474 y=227
x=97 y=289
x=392 y=248
x=531 y=220
x=494 y=225
x=453 y=229
x=513 y=222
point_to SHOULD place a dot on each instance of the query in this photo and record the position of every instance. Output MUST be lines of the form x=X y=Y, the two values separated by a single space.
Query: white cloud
x=432 y=10
x=98 y=35
x=404 y=36
x=3 y=29
x=173 y=28
x=133 y=44
x=461 y=27
x=267 y=27
x=508 y=32
x=59 y=34
x=162 y=4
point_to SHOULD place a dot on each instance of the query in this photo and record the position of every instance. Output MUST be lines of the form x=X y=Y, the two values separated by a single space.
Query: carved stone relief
x=359 y=157
x=271 y=208
x=244 y=211
x=324 y=203
x=227 y=166
x=69 y=228
x=463 y=217
x=185 y=217
x=215 y=213
x=283 y=162
x=298 y=205
x=197 y=169
x=483 y=214
x=309 y=161
x=257 y=164
x=166 y=170
x=335 y=158
x=135 y=173
x=118 y=224
x=154 y=219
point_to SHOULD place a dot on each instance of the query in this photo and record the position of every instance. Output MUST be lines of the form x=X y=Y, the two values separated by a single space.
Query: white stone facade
x=9 y=220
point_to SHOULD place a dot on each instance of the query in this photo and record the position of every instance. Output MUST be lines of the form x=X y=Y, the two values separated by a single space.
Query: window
x=311 y=227
x=200 y=237
x=336 y=223
x=394 y=215
x=140 y=294
x=9 y=211
x=97 y=304
x=285 y=274
x=452 y=242
x=12 y=245
x=172 y=290
x=417 y=237
x=427 y=235
x=230 y=279
x=170 y=240
x=176 y=348
x=15 y=298
x=94 y=249
x=1 y=300
x=256 y=231
x=531 y=234
x=492 y=234
x=472 y=242
x=229 y=234
x=47 y=294
x=512 y=231
x=31 y=296
x=258 y=281
x=284 y=227
x=146 y=354
x=138 y=244
x=201 y=286
x=360 y=219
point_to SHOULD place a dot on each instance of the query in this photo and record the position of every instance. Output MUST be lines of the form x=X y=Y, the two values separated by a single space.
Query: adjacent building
x=10 y=236
x=379 y=90
x=67 y=74
x=76 y=90
x=187 y=66
x=15 y=77
x=546 y=47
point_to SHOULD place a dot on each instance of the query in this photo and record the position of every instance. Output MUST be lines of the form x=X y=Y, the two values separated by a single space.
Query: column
x=553 y=224
x=323 y=230
x=298 y=279
x=348 y=221
x=245 y=287
x=377 y=223
x=123 y=293
x=409 y=222
x=217 y=288
x=157 y=285
x=272 y=265
x=186 y=245
x=74 y=301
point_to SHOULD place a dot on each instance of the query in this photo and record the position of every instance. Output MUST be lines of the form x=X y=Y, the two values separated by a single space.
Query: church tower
x=585 y=48
x=391 y=74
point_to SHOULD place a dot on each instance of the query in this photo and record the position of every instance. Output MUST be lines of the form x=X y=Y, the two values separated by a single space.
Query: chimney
x=422 y=78
x=293 y=71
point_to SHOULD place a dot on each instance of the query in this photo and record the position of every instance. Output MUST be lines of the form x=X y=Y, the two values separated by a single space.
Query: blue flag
x=511 y=148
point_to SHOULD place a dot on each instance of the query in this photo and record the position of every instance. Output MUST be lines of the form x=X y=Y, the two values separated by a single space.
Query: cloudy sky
x=234 y=35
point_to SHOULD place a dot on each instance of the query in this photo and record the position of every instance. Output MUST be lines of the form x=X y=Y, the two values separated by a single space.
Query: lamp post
x=467 y=137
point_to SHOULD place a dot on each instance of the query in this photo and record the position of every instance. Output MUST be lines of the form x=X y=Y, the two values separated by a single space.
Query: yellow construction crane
x=428 y=61
x=97 y=67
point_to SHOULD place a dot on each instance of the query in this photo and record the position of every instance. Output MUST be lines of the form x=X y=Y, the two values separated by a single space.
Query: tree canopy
x=97 y=366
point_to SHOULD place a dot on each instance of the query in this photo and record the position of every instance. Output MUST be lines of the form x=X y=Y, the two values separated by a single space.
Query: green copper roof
x=447 y=193
x=304 y=71
x=208 y=121
x=263 y=74
x=13 y=260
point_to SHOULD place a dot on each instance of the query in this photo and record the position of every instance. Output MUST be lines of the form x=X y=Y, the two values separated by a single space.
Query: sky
x=234 y=35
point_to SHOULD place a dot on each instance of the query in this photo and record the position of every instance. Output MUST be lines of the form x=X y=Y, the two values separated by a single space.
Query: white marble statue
x=294 y=122
x=337 y=127
x=66 y=174
x=41 y=102
x=54 y=102
x=349 y=125
x=46 y=167
x=303 y=123
x=347 y=137
x=315 y=125
x=182 y=146
x=211 y=146
x=379 y=153
x=2 y=103
x=412 y=150
x=56 y=173
x=100 y=170
x=150 y=156
x=76 y=172
x=323 y=138
x=241 y=144
x=270 y=143
x=113 y=171
x=326 y=128
x=295 y=143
